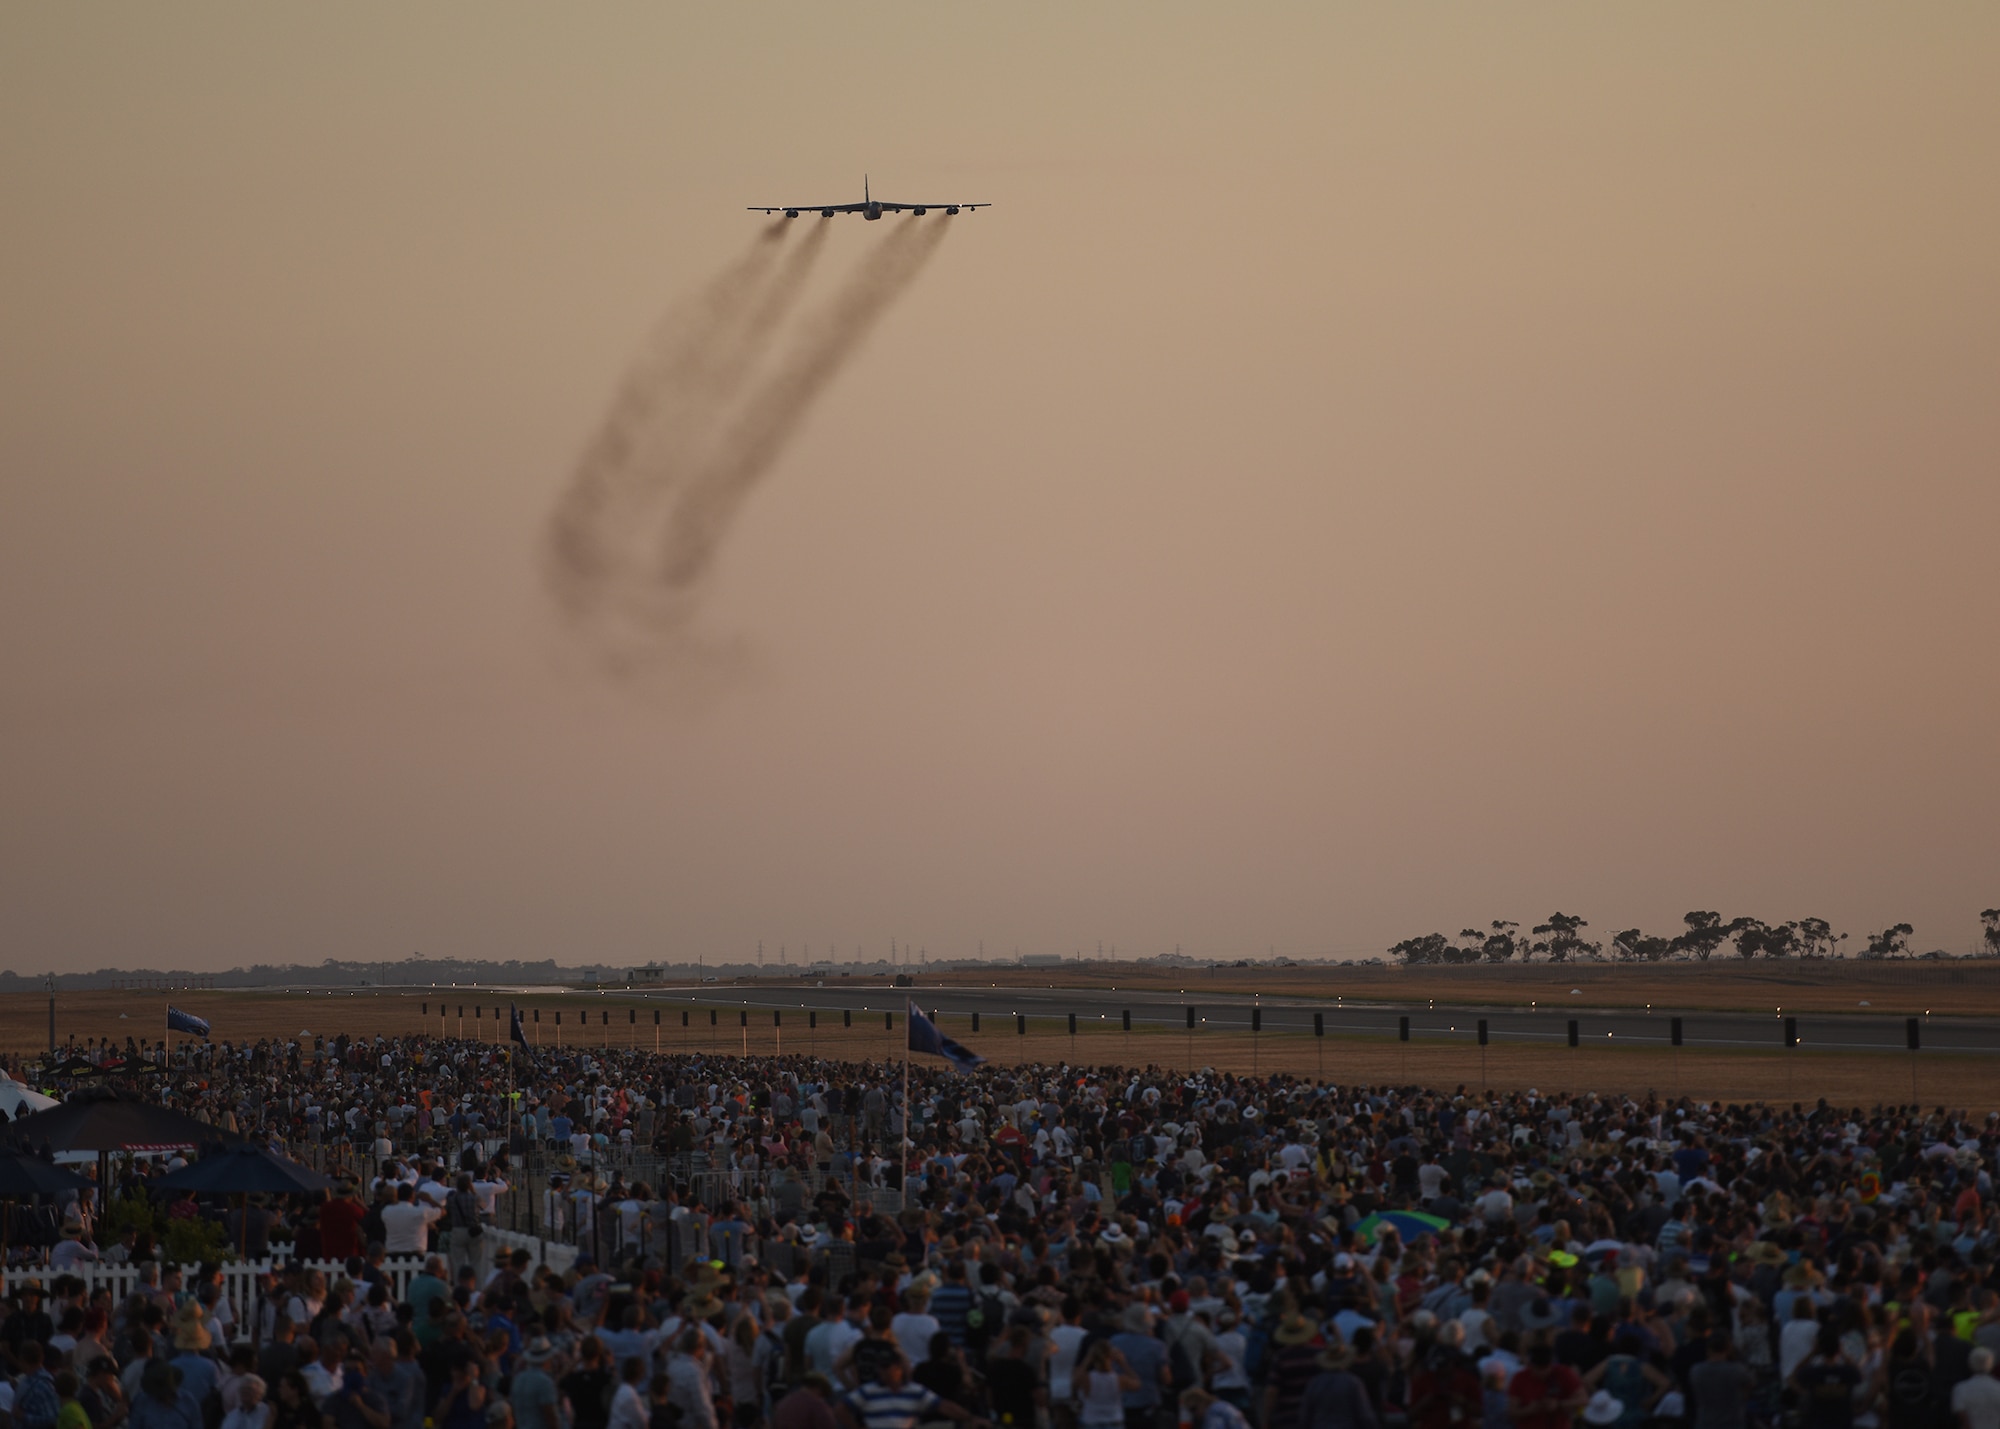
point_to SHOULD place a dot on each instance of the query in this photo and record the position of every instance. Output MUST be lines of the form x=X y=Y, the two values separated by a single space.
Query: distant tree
x=1749 y=936
x=1430 y=948
x=1705 y=933
x=1991 y=919
x=1816 y=938
x=1754 y=936
x=1497 y=944
x=1561 y=939
x=1891 y=942
x=1640 y=947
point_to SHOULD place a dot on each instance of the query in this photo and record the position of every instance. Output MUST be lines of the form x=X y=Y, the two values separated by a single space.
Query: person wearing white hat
x=1604 y=1408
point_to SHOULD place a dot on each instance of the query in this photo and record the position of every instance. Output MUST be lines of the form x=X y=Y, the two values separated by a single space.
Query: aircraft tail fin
x=864 y=188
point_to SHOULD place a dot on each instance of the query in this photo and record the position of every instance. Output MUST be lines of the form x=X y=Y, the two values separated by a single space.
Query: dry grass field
x=1903 y=987
x=1773 y=1075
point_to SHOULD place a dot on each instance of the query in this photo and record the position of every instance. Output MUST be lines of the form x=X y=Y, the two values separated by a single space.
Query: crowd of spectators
x=1062 y=1248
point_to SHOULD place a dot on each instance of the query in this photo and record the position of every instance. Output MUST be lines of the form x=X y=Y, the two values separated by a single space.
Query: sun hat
x=1295 y=1329
x=189 y=1331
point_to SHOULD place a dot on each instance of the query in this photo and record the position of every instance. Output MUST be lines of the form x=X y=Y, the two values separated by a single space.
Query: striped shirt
x=879 y=1407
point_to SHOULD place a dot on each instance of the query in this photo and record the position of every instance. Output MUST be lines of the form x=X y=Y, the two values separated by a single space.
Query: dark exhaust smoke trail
x=696 y=423
x=695 y=352
x=708 y=504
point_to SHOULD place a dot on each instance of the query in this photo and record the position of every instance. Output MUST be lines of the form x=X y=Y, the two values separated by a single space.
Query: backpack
x=463 y=1208
x=1182 y=1361
x=774 y=1367
x=984 y=1319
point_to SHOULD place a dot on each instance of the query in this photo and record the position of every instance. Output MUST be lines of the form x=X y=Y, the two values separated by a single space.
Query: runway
x=1859 y=1031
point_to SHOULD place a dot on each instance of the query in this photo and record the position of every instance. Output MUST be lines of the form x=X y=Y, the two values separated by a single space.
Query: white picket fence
x=554 y=1254
x=239 y=1278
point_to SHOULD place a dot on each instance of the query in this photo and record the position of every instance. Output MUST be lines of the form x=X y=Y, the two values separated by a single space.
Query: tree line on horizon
x=1562 y=939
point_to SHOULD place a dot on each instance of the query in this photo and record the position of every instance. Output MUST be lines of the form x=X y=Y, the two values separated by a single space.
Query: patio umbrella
x=241 y=1168
x=106 y=1119
x=1407 y=1224
x=22 y=1175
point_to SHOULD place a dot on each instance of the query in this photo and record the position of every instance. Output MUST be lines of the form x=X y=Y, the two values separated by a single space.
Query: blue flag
x=178 y=1021
x=516 y=1032
x=925 y=1037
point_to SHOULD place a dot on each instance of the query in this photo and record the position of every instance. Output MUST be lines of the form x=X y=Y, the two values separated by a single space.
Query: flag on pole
x=516 y=1032
x=925 y=1037
x=178 y=1021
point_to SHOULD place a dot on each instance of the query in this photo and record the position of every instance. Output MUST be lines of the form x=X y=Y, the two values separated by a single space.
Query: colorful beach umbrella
x=1409 y=1225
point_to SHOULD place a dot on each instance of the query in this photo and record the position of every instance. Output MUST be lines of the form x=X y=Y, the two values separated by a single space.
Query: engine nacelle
x=953 y=209
x=920 y=212
x=791 y=213
x=826 y=213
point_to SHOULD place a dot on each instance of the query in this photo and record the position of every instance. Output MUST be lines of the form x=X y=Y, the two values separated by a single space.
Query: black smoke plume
x=695 y=425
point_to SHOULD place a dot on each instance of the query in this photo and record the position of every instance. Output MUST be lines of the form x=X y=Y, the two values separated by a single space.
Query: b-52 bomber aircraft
x=869 y=208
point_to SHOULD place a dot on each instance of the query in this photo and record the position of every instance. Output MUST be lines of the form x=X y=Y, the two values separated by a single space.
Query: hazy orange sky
x=1377 y=468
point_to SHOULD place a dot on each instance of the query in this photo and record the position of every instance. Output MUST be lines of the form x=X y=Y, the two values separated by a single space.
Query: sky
x=1375 y=470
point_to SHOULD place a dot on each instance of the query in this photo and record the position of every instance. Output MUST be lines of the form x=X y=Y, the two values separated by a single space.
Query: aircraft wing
x=900 y=207
x=809 y=208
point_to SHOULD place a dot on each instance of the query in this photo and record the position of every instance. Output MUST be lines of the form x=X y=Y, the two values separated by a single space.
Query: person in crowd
x=891 y=1401
x=251 y=1411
